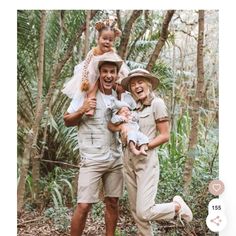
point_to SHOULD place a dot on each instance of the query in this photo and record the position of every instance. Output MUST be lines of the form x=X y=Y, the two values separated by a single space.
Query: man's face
x=108 y=74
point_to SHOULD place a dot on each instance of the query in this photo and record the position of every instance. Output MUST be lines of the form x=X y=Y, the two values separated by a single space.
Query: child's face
x=106 y=40
x=124 y=111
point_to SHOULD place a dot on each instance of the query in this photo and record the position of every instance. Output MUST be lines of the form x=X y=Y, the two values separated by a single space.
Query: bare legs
x=135 y=151
x=81 y=213
x=111 y=215
x=92 y=94
x=79 y=218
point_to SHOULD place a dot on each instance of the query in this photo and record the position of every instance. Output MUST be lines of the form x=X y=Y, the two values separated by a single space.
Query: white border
x=8 y=93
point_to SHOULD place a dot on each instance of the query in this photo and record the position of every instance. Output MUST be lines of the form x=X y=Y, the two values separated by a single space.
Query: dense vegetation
x=50 y=44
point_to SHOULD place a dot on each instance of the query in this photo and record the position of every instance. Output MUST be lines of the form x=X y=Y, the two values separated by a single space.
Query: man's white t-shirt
x=77 y=103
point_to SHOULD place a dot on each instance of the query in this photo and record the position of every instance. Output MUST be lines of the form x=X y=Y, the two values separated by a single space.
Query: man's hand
x=73 y=119
x=89 y=103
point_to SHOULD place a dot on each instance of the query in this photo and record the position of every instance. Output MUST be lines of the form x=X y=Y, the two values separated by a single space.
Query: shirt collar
x=141 y=105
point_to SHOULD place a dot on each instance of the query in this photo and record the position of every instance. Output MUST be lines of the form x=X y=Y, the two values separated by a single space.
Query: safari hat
x=139 y=73
x=110 y=57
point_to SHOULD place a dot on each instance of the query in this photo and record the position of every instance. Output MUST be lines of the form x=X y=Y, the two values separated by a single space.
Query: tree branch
x=162 y=39
x=126 y=33
x=141 y=33
x=118 y=19
x=62 y=163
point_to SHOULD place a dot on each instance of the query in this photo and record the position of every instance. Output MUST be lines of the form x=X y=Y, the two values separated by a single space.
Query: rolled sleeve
x=160 y=110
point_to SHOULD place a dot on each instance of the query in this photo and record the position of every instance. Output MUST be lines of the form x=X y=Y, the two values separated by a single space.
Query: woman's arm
x=162 y=137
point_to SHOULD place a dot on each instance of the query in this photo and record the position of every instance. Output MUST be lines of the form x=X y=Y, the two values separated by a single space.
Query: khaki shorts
x=90 y=174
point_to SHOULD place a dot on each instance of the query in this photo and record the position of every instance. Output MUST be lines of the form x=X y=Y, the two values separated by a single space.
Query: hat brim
x=152 y=79
x=117 y=63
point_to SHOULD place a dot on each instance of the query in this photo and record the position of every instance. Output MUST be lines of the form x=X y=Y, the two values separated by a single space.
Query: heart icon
x=216 y=187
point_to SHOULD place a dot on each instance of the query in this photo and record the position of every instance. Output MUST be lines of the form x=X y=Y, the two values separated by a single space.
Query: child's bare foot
x=143 y=149
x=143 y=152
x=136 y=152
x=90 y=112
x=133 y=149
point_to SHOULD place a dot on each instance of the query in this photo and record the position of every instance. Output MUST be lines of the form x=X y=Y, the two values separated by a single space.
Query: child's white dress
x=89 y=69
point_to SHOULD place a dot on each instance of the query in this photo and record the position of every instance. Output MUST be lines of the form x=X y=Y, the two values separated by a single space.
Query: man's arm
x=122 y=128
x=73 y=119
x=118 y=119
x=113 y=127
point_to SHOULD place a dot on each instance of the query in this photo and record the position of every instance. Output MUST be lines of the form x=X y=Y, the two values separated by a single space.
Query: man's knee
x=112 y=202
x=83 y=208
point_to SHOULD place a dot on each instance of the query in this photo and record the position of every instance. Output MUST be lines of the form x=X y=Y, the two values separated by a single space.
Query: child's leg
x=133 y=148
x=143 y=149
x=91 y=94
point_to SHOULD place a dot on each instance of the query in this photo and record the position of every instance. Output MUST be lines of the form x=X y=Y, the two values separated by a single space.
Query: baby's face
x=124 y=111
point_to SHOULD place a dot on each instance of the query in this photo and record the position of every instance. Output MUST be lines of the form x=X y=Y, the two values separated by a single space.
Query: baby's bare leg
x=133 y=148
x=143 y=149
x=91 y=94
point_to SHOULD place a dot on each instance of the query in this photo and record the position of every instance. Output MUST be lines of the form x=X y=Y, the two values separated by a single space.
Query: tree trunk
x=31 y=138
x=33 y=133
x=122 y=50
x=119 y=20
x=40 y=75
x=86 y=39
x=161 y=42
x=196 y=105
x=147 y=23
x=24 y=170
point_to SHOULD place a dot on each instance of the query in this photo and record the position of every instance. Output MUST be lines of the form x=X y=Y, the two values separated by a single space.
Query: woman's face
x=106 y=40
x=139 y=88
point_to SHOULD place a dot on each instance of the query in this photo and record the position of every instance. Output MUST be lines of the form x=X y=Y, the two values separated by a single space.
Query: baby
x=136 y=140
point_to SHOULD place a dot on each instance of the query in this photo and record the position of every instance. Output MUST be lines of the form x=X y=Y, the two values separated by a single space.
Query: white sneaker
x=184 y=212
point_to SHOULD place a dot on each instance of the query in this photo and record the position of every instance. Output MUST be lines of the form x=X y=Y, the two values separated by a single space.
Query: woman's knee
x=142 y=213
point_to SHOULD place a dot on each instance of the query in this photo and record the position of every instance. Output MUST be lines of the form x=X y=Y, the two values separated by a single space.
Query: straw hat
x=137 y=73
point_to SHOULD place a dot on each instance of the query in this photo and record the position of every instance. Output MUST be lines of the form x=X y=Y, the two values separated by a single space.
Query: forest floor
x=34 y=223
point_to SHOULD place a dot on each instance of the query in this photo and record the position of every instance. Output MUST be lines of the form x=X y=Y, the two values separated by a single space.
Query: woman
x=142 y=172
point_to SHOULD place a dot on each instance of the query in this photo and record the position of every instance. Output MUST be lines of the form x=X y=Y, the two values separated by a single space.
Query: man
x=100 y=149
